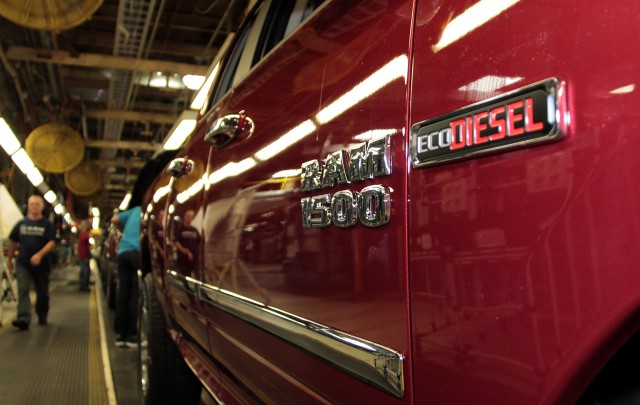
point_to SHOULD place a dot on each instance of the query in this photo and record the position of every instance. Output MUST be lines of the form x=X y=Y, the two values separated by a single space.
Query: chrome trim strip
x=370 y=362
x=187 y=284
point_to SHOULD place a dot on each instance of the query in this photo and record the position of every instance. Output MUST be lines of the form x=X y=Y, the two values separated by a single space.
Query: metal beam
x=137 y=116
x=116 y=187
x=121 y=176
x=102 y=61
x=135 y=164
x=133 y=145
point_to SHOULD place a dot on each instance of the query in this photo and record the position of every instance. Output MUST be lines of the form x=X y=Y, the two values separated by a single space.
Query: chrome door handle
x=229 y=128
x=180 y=167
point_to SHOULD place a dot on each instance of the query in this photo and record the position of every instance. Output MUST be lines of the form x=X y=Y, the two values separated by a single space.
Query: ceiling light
x=286 y=140
x=624 y=89
x=35 y=177
x=395 y=69
x=231 y=169
x=472 y=18
x=22 y=160
x=95 y=211
x=59 y=209
x=8 y=139
x=489 y=84
x=193 y=82
x=286 y=173
x=125 y=202
x=50 y=196
x=198 y=102
x=180 y=130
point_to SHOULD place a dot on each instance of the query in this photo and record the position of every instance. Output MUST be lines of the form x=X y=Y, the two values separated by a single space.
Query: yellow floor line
x=106 y=361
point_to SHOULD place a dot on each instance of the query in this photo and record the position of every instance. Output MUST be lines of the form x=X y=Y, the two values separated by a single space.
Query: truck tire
x=163 y=376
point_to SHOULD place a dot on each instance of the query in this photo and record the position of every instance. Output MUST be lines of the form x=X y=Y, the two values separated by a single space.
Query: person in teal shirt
x=128 y=261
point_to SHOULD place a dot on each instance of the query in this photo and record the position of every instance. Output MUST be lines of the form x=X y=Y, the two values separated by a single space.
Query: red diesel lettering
x=529 y=125
x=495 y=122
x=479 y=127
x=458 y=131
x=513 y=118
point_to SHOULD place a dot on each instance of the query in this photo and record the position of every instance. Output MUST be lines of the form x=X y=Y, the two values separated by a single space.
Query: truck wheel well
x=619 y=381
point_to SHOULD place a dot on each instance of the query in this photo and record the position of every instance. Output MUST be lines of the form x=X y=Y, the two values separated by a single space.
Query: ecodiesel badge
x=524 y=117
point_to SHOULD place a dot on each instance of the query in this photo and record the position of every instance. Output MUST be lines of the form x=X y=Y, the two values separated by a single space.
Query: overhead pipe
x=16 y=81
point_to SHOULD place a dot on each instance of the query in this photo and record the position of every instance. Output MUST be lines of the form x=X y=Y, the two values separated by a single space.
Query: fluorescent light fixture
x=489 y=84
x=43 y=188
x=50 y=196
x=375 y=134
x=190 y=192
x=395 y=69
x=180 y=130
x=59 y=209
x=286 y=140
x=8 y=139
x=161 y=192
x=624 y=89
x=472 y=18
x=22 y=160
x=286 y=173
x=199 y=100
x=231 y=169
x=125 y=202
x=193 y=82
x=35 y=177
x=95 y=211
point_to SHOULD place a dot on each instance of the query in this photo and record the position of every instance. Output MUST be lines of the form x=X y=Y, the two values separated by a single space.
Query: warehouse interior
x=99 y=88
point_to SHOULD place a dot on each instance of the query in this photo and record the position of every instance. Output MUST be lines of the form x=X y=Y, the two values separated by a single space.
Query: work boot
x=20 y=324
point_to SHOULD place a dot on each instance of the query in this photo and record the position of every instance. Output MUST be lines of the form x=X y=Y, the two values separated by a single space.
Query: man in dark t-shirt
x=35 y=237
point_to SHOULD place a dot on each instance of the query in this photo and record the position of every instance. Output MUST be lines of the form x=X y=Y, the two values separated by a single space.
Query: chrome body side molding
x=370 y=362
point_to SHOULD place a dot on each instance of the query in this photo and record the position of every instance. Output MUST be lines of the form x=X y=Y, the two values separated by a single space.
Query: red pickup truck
x=404 y=202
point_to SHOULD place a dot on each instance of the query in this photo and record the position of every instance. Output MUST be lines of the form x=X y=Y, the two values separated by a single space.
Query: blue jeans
x=26 y=279
x=126 y=317
x=85 y=271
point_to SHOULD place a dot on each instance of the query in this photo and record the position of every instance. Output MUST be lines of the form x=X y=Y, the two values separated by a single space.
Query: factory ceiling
x=117 y=78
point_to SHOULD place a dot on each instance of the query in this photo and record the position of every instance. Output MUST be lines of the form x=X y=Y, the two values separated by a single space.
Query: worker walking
x=35 y=237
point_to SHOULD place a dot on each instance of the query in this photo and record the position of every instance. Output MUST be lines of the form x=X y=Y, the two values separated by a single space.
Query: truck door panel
x=511 y=264
x=290 y=308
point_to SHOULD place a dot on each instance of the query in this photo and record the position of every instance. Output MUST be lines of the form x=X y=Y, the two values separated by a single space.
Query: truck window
x=271 y=22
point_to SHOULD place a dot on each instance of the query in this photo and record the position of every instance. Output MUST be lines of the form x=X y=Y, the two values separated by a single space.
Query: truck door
x=515 y=274
x=305 y=284
x=183 y=233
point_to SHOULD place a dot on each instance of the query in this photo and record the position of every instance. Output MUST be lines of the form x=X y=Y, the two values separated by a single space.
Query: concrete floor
x=89 y=321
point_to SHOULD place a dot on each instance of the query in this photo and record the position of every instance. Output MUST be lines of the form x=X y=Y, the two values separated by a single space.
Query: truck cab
x=402 y=202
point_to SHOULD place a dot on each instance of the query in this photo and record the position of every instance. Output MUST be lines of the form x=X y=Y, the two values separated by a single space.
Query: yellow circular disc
x=85 y=179
x=55 y=148
x=52 y=15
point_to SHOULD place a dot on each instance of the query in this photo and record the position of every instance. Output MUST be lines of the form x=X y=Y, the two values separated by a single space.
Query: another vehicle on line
x=404 y=202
